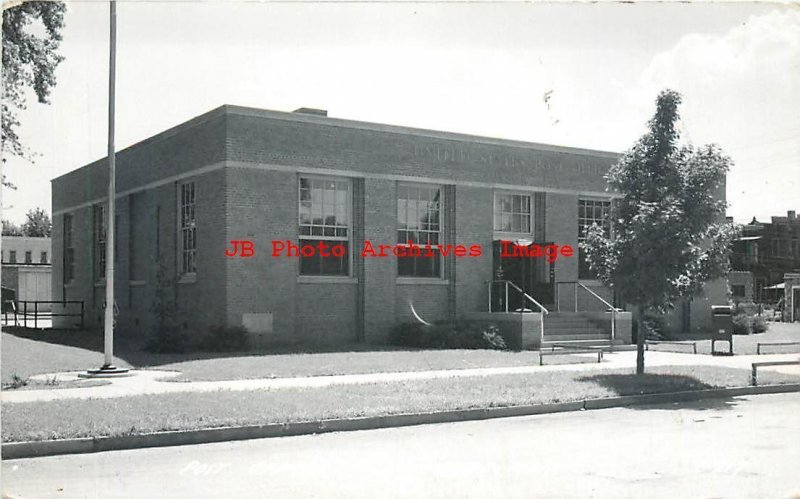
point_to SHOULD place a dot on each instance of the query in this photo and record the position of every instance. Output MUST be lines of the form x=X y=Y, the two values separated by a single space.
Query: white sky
x=472 y=67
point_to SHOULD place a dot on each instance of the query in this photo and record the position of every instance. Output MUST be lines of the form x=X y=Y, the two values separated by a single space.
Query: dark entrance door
x=534 y=276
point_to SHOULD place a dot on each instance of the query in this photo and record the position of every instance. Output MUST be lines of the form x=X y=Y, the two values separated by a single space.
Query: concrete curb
x=19 y=450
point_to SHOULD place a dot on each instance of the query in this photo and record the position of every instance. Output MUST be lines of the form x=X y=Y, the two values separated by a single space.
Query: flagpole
x=112 y=69
x=108 y=368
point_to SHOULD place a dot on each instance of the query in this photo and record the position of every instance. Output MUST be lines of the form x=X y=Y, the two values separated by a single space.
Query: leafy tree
x=30 y=58
x=670 y=236
x=38 y=223
x=11 y=229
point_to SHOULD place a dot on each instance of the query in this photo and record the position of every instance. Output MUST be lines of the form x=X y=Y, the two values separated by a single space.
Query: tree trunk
x=640 y=338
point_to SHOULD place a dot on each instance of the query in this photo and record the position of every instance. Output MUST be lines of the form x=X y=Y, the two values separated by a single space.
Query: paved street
x=742 y=447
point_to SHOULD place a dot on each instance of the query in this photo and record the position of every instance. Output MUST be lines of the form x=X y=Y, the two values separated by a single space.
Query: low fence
x=775 y=344
x=756 y=365
x=34 y=312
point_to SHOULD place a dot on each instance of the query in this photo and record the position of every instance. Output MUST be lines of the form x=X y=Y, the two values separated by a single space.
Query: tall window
x=324 y=219
x=100 y=241
x=188 y=224
x=419 y=223
x=43 y=257
x=512 y=213
x=12 y=257
x=591 y=212
x=29 y=257
x=69 y=250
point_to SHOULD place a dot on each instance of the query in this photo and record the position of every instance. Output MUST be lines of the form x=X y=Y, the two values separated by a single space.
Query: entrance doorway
x=533 y=276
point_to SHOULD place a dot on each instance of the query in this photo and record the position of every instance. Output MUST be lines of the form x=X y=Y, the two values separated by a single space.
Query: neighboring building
x=768 y=251
x=741 y=285
x=27 y=250
x=791 y=298
x=303 y=178
x=27 y=267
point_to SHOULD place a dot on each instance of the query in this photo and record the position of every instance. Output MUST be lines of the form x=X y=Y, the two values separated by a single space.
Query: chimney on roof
x=311 y=110
x=792 y=215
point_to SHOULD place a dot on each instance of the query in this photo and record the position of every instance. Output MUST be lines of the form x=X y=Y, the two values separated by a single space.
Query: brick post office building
x=246 y=174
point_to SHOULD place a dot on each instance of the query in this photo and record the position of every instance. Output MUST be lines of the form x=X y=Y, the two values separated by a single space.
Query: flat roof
x=299 y=117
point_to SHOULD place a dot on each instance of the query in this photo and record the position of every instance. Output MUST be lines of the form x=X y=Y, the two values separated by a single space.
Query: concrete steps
x=575 y=328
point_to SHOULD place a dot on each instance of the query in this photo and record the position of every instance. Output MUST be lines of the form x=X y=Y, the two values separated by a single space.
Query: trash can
x=722 y=327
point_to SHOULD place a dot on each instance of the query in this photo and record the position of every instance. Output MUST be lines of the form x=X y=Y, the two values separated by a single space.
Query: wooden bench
x=692 y=344
x=756 y=365
x=777 y=343
x=571 y=349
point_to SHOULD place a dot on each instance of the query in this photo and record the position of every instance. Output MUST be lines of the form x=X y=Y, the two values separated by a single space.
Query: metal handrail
x=49 y=313
x=543 y=310
x=602 y=300
x=529 y=297
x=597 y=296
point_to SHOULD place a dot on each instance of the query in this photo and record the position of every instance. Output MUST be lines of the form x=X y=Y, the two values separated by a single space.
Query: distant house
x=767 y=251
x=27 y=267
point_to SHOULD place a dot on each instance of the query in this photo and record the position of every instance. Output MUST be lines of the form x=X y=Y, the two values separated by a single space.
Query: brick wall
x=180 y=150
x=152 y=239
x=246 y=165
x=380 y=221
x=261 y=207
x=310 y=141
x=474 y=225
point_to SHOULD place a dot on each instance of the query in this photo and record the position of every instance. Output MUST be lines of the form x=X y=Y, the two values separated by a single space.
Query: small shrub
x=742 y=324
x=461 y=334
x=494 y=339
x=408 y=334
x=225 y=339
x=166 y=336
x=167 y=339
x=759 y=324
x=745 y=307
x=653 y=325
x=16 y=382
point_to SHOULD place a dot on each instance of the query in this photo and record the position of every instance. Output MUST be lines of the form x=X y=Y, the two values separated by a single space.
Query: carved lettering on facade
x=461 y=154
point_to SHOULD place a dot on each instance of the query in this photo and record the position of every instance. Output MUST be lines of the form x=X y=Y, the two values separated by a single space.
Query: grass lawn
x=46 y=352
x=746 y=344
x=150 y=413
x=324 y=364
x=25 y=357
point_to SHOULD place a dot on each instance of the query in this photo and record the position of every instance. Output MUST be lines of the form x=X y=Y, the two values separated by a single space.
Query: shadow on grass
x=78 y=338
x=649 y=383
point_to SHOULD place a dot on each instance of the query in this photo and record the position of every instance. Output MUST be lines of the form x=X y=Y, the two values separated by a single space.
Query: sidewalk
x=145 y=382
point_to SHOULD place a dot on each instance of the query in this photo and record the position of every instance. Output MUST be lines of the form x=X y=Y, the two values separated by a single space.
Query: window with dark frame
x=324 y=218
x=100 y=241
x=131 y=236
x=29 y=257
x=419 y=211
x=43 y=257
x=591 y=212
x=188 y=229
x=69 y=250
x=512 y=213
x=12 y=257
